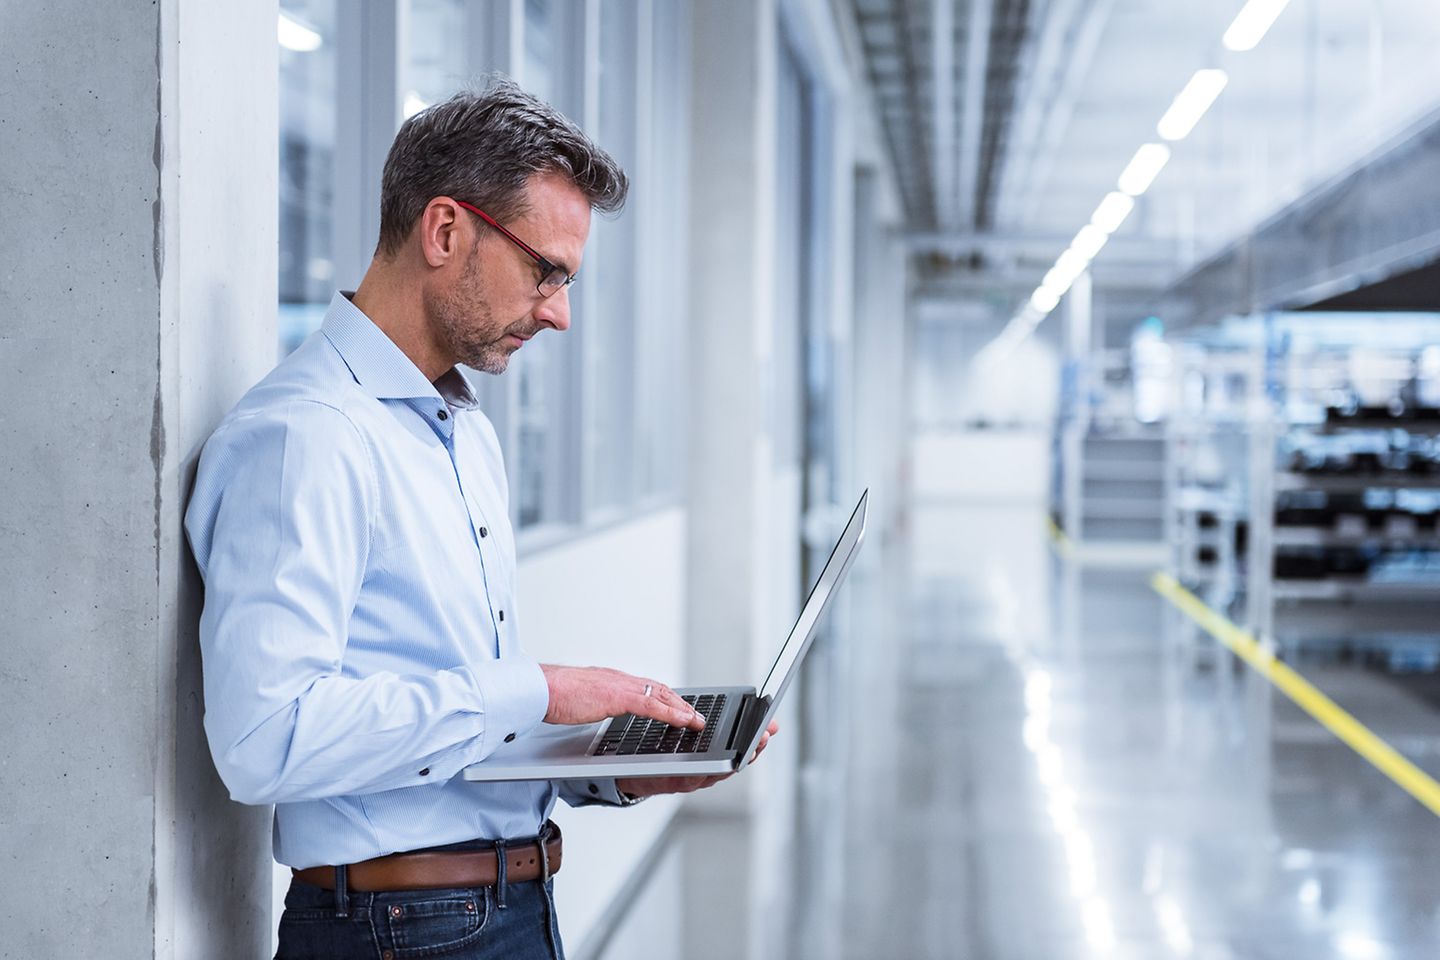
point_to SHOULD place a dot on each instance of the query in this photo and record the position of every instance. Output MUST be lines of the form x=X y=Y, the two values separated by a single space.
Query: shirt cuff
x=586 y=793
x=514 y=696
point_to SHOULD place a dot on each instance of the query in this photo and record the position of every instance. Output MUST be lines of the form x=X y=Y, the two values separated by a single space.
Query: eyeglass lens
x=553 y=281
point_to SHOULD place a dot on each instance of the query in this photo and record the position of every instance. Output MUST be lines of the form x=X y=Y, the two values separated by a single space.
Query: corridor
x=1043 y=768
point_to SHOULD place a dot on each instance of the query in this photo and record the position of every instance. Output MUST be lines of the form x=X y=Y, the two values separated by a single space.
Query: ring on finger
x=648 y=689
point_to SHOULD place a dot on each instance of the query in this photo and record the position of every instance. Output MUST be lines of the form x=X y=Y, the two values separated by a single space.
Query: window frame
x=372 y=39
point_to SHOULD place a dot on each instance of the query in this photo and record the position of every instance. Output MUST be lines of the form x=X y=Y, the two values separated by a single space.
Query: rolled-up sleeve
x=281 y=523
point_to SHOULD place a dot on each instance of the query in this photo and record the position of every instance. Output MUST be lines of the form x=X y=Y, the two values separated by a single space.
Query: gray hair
x=482 y=147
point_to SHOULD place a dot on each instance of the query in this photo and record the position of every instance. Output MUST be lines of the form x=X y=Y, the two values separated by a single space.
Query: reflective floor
x=1068 y=775
x=1049 y=769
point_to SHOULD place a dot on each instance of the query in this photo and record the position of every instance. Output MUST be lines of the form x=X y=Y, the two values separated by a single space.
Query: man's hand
x=590 y=694
x=653 y=786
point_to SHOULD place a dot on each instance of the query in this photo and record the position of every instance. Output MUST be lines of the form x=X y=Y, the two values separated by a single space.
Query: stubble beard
x=467 y=324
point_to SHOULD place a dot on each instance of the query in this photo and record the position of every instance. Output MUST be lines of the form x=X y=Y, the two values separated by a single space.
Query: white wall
x=615 y=598
x=982 y=465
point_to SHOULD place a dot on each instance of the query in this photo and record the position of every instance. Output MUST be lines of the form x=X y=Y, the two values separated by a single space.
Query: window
x=660 y=403
x=435 y=61
x=591 y=421
x=307 y=181
x=545 y=469
x=610 y=338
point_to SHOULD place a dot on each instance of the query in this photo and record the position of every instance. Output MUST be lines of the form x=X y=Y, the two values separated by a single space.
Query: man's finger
x=667 y=706
x=682 y=715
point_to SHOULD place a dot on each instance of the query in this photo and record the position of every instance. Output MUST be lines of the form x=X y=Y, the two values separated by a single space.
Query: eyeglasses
x=553 y=277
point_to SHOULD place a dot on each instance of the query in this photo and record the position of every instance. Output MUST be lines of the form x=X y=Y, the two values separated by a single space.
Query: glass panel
x=611 y=354
x=540 y=49
x=539 y=364
x=435 y=67
x=538 y=410
x=307 y=181
x=791 y=259
x=661 y=407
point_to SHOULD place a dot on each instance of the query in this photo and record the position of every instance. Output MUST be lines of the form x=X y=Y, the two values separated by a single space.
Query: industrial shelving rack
x=1303 y=481
x=1354 y=494
x=1345 y=489
x=1208 y=432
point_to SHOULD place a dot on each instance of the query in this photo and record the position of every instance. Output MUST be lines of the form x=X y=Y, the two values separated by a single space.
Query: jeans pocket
x=433 y=923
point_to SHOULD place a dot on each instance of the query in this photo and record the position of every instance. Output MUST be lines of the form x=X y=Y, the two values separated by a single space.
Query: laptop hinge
x=752 y=713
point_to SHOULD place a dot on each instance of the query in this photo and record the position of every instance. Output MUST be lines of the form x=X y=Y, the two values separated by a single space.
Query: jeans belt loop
x=500 y=856
x=342 y=891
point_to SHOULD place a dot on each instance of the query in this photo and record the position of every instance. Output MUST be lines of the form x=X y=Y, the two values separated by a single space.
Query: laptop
x=735 y=717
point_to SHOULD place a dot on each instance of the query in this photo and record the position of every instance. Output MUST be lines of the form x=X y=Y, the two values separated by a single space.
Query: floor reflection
x=1060 y=773
x=1037 y=762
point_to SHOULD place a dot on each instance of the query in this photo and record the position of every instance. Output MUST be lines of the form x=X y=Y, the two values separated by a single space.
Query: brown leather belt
x=435 y=869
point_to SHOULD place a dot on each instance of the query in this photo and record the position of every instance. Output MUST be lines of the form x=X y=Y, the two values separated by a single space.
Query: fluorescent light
x=1062 y=276
x=1036 y=733
x=296 y=36
x=1252 y=23
x=1191 y=103
x=1112 y=212
x=1058 y=281
x=1072 y=263
x=1356 y=946
x=1143 y=168
x=1038 y=684
x=1062 y=813
x=413 y=104
x=1098 y=928
x=1089 y=241
x=1173 y=925
x=1044 y=300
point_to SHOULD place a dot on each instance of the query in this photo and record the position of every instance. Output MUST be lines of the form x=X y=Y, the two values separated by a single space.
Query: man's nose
x=555 y=309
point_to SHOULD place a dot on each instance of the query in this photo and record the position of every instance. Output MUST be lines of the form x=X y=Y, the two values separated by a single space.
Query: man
x=350 y=521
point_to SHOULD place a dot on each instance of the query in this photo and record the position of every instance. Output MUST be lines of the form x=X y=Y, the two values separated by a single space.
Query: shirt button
x=509 y=737
x=425 y=772
x=502 y=616
x=594 y=789
x=443 y=415
x=484 y=533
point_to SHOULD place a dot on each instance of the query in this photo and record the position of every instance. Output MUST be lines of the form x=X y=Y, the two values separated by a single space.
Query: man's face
x=487 y=312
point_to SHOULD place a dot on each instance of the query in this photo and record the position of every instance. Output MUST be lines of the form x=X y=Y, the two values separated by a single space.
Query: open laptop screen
x=801 y=634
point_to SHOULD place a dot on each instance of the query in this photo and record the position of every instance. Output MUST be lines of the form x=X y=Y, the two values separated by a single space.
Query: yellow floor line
x=1385 y=758
x=1063 y=545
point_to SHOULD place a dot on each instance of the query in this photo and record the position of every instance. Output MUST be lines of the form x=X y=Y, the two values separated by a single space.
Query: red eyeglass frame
x=548 y=269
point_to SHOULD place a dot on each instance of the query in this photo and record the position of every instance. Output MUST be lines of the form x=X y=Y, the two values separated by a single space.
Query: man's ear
x=443 y=232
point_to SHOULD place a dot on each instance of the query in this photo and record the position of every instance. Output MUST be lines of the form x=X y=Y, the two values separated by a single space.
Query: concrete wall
x=137 y=303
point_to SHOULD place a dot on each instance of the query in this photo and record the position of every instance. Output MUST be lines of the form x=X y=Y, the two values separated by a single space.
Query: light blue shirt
x=350 y=520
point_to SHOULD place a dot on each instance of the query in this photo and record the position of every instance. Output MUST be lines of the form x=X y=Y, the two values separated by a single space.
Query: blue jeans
x=463 y=923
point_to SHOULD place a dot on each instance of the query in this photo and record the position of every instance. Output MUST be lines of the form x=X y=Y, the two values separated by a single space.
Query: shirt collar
x=380 y=366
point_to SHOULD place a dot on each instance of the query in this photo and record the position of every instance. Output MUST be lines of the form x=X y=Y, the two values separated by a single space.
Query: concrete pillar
x=138 y=179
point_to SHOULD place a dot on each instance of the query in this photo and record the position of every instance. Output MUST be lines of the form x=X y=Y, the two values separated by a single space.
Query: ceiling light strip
x=1252 y=23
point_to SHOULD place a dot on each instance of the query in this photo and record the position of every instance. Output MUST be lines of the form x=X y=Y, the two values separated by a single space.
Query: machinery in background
x=1303 y=481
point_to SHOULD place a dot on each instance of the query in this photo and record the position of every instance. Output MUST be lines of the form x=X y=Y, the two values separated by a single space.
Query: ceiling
x=1009 y=130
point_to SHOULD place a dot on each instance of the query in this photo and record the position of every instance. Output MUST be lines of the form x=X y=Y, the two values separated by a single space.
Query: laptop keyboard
x=632 y=735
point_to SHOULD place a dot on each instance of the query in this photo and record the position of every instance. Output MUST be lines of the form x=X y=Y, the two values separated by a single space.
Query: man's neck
x=392 y=303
